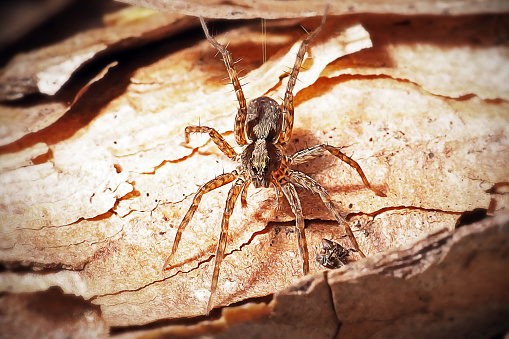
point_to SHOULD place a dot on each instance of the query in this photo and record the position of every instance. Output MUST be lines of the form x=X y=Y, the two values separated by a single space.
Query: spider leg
x=217 y=182
x=217 y=138
x=316 y=151
x=311 y=184
x=233 y=194
x=240 y=118
x=286 y=131
x=291 y=195
x=243 y=196
x=279 y=193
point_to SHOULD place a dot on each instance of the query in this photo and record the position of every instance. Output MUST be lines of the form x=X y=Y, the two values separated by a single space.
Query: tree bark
x=96 y=177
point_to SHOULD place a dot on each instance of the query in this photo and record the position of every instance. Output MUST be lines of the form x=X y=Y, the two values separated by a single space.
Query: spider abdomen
x=263 y=119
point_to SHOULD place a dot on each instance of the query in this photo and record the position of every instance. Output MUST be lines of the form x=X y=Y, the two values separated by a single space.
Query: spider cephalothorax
x=261 y=159
x=263 y=127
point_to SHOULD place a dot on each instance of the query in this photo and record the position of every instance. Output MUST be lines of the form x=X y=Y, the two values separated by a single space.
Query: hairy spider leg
x=293 y=199
x=316 y=151
x=217 y=138
x=240 y=118
x=287 y=106
x=217 y=182
x=243 y=196
x=233 y=194
x=311 y=184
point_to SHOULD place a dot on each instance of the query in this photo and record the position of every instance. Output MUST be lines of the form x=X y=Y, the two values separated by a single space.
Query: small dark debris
x=332 y=255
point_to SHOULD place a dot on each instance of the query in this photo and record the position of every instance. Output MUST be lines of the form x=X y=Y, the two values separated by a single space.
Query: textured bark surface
x=91 y=197
x=434 y=289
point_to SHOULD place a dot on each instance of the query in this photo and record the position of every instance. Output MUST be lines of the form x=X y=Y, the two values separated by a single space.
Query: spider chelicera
x=263 y=128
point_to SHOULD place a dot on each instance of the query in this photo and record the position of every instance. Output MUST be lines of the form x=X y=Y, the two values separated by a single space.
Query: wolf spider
x=263 y=161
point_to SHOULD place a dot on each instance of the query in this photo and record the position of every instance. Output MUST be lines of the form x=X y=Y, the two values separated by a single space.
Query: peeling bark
x=239 y=9
x=90 y=199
